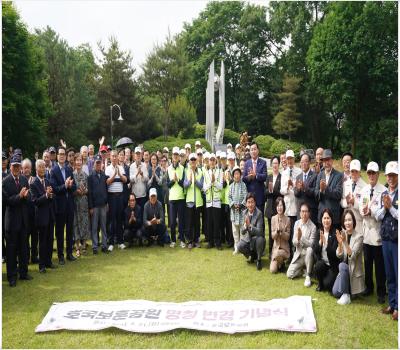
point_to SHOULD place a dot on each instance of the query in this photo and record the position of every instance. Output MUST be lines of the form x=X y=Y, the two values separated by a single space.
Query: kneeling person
x=253 y=243
x=153 y=219
x=133 y=222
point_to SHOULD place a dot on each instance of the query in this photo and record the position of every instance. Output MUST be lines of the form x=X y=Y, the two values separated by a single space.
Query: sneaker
x=235 y=252
x=122 y=246
x=110 y=248
x=344 y=299
x=307 y=282
x=172 y=245
x=183 y=245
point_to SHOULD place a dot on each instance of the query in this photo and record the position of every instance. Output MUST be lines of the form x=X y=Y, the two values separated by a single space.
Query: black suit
x=44 y=219
x=270 y=208
x=16 y=222
x=32 y=238
x=63 y=208
x=307 y=195
x=3 y=232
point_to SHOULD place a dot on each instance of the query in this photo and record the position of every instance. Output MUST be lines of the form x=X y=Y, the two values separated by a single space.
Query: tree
x=286 y=122
x=353 y=65
x=183 y=117
x=26 y=107
x=165 y=75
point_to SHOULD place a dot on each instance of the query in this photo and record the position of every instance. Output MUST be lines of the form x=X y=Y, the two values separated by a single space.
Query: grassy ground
x=165 y=274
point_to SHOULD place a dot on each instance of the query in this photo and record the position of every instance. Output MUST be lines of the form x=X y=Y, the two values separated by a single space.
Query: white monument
x=215 y=83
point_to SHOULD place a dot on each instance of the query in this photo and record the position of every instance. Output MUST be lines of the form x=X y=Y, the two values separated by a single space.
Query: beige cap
x=372 y=166
x=392 y=168
x=289 y=153
x=355 y=165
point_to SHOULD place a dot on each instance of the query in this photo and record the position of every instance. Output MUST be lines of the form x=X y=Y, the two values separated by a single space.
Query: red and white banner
x=293 y=314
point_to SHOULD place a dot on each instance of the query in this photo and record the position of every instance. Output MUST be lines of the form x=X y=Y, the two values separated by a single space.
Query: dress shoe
x=259 y=267
x=35 y=261
x=26 y=277
x=42 y=270
x=61 y=261
x=381 y=299
x=318 y=289
x=395 y=315
x=51 y=266
x=13 y=283
x=104 y=250
x=251 y=260
x=387 y=310
x=70 y=257
x=95 y=251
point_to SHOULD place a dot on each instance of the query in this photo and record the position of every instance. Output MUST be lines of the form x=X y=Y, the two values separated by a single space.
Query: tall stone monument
x=215 y=83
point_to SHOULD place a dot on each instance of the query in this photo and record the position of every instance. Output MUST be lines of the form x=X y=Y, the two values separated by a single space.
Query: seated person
x=133 y=222
x=253 y=242
x=280 y=227
x=327 y=263
x=350 y=280
x=304 y=235
x=153 y=219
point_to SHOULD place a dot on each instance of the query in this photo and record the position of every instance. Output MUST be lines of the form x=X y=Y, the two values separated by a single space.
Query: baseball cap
x=218 y=154
x=192 y=156
x=231 y=155
x=236 y=168
x=197 y=143
x=392 y=167
x=237 y=146
x=182 y=152
x=199 y=151
x=212 y=155
x=152 y=192
x=326 y=154
x=372 y=166
x=138 y=150
x=97 y=158
x=52 y=149
x=229 y=145
x=15 y=159
x=188 y=146
x=175 y=150
x=355 y=165
x=222 y=155
x=165 y=149
x=109 y=148
x=103 y=148
x=4 y=156
x=289 y=153
x=206 y=155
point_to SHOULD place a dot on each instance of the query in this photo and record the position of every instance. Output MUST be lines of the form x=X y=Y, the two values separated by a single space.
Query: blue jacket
x=97 y=190
x=256 y=185
x=64 y=199
x=44 y=212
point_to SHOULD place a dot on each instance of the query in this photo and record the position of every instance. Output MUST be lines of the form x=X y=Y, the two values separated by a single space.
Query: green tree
x=286 y=122
x=166 y=75
x=353 y=65
x=183 y=117
x=26 y=107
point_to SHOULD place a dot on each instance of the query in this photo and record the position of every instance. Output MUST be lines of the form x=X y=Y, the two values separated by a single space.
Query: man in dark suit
x=15 y=199
x=254 y=176
x=328 y=189
x=4 y=173
x=304 y=189
x=63 y=184
x=42 y=198
x=133 y=222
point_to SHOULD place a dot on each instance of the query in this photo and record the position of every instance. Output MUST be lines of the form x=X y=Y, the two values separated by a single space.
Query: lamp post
x=111 y=120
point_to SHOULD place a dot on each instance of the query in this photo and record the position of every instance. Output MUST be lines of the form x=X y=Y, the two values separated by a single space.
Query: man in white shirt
x=139 y=176
x=115 y=178
x=368 y=206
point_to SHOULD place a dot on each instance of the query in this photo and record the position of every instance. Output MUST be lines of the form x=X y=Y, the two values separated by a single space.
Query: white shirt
x=324 y=254
x=288 y=193
x=355 y=208
x=139 y=183
x=116 y=186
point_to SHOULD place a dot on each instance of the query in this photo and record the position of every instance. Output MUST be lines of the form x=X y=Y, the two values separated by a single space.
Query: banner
x=293 y=314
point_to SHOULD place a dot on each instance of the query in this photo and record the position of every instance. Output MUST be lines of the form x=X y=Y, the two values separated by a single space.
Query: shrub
x=159 y=143
x=265 y=142
x=231 y=136
x=281 y=145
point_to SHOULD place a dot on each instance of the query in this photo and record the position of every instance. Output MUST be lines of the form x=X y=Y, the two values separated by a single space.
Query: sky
x=137 y=25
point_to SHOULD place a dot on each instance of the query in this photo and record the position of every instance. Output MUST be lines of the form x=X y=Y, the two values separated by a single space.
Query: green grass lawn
x=165 y=274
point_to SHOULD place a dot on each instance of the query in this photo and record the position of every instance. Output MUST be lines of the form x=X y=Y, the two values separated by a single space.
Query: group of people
x=321 y=222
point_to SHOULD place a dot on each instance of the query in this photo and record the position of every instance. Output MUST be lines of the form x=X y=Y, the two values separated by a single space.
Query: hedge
x=159 y=143
x=265 y=142
x=279 y=146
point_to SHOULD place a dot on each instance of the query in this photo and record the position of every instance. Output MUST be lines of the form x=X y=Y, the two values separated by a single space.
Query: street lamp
x=111 y=120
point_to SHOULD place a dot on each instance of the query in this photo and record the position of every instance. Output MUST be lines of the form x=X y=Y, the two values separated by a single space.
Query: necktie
x=254 y=166
x=43 y=184
x=305 y=177
x=371 y=194
x=290 y=173
x=63 y=172
x=17 y=182
x=353 y=187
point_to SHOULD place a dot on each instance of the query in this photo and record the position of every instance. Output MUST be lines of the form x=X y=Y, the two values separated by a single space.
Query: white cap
x=188 y=146
x=165 y=149
x=212 y=155
x=237 y=146
x=229 y=145
x=355 y=165
x=138 y=150
x=206 y=155
x=152 y=192
x=372 y=166
x=218 y=154
x=231 y=155
x=199 y=151
x=392 y=168
x=192 y=155
x=197 y=143
x=182 y=152
x=175 y=150
x=248 y=147
x=222 y=155
x=289 y=153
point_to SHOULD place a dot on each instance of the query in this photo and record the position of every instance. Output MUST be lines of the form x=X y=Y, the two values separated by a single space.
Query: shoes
x=95 y=252
x=35 y=260
x=172 y=245
x=51 y=266
x=235 y=252
x=42 y=270
x=27 y=277
x=70 y=257
x=251 y=260
x=110 y=248
x=190 y=246
x=122 y=246
x=258 y=265
x=307 y=282
x=344 y=299
x=104 y=250
x=387 y=310
x=13 y=283
x=395 y=315
x=61 y=261
x=318 y=289
x=183 y=245
x=381 y=299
